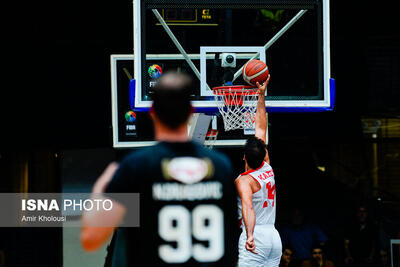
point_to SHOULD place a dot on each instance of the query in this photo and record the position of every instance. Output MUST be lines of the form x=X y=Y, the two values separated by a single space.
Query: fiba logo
x=154 y=71
x=130 y=116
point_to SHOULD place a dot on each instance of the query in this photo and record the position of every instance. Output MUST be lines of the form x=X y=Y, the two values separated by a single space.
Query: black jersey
x=187 y=206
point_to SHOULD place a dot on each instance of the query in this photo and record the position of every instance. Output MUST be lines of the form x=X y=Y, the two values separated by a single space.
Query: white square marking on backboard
x=223 y=49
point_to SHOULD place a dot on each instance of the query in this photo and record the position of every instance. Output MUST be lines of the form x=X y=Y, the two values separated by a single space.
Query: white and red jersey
x=264 y=199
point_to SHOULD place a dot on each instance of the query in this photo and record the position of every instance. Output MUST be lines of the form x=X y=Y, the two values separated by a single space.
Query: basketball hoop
x=237 y=105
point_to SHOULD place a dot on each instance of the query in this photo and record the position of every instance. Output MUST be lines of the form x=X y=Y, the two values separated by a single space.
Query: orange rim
x=235 y=89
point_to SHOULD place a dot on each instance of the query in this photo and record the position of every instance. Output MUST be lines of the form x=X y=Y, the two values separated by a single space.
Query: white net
x=237 y=105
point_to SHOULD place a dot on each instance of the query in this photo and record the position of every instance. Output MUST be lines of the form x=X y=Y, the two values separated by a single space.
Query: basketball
x=255 y=71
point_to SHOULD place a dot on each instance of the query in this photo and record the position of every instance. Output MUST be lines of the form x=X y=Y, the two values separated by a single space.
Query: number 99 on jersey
x=179 y=225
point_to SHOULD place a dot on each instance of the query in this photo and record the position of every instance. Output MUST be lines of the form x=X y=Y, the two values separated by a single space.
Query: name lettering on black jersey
x=192 y=192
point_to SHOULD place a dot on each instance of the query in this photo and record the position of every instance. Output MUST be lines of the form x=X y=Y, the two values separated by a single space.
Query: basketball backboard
x=291 y=36
x=198 y=37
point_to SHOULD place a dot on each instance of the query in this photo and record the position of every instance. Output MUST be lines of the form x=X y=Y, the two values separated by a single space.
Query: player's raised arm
x=261 y=114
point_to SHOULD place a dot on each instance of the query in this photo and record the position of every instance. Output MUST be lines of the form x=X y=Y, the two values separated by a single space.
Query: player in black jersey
x=186 y=192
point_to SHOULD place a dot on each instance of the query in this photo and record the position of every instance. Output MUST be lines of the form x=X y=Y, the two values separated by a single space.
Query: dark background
x=55 y=96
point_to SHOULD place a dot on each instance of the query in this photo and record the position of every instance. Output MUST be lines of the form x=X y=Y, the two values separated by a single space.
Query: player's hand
x=262 y=88
x=251 y=245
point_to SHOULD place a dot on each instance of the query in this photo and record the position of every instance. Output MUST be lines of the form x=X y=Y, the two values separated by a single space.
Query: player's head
x=171 y=99
x=254 y=152
x=287 y=253
x=317 y=252
x=362 y=213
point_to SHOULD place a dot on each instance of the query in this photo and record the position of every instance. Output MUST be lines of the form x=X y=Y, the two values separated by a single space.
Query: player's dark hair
x=287 y=246
x=171 y=99
x=317 y=245
x=254 y=152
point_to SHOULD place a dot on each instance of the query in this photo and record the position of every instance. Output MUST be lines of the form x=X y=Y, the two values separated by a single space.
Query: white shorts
x=268 y=246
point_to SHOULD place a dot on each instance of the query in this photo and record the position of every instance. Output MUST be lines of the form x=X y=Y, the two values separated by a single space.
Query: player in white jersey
x=259 y=243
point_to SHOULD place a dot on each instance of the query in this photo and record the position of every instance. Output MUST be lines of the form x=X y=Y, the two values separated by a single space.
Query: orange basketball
x=255 y=71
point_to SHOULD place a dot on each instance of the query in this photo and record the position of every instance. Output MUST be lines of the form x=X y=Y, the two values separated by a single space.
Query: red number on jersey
x=271 y=194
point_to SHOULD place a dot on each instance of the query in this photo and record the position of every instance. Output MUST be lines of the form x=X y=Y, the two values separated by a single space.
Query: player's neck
x=163 y=133
x=246 y=168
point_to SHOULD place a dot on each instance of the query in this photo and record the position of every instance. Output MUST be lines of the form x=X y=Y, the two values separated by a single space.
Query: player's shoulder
x=266 y=165
x=247 y=181
x=138 y=158
x=243 y=178
x=139 y=154
x=165 y=149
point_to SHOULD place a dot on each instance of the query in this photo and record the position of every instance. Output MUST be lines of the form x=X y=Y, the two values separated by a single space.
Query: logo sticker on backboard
x=130 y=118
x=154 y=71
